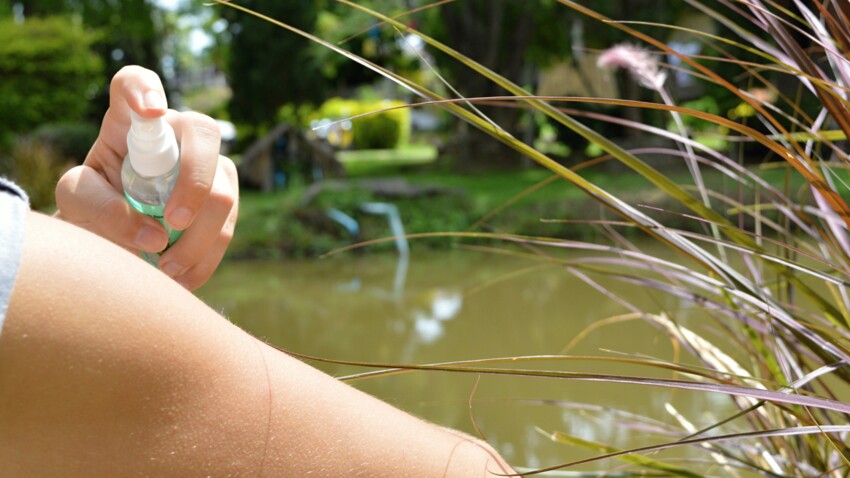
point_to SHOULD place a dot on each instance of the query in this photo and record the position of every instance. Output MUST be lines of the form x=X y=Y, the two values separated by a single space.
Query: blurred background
x=272 y=91
x=314 y=180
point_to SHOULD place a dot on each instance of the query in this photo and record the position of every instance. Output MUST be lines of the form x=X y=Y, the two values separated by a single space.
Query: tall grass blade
x=632 y=458
x=726 y=389
x=784 y=433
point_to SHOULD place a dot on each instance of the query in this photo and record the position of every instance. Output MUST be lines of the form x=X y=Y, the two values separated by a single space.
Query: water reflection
x=429 y=324
x=465 y=305
x=428 y=320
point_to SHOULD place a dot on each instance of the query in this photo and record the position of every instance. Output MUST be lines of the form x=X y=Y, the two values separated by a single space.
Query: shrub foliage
x=384 y=130
x=49 y=72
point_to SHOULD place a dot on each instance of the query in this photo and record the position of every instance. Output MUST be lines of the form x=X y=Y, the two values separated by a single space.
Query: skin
x=108 y=368
x=204 y=202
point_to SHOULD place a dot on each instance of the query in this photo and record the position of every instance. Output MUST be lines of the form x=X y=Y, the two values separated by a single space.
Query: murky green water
x=462 y=305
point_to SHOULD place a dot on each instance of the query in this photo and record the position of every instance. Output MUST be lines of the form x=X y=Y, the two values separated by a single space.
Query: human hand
x=204 y=202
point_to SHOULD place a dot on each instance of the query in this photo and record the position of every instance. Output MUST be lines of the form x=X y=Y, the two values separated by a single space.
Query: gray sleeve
x=13 y=212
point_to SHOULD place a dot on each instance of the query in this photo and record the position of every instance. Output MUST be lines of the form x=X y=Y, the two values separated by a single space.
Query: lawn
x=371 y=161
x=279 y=224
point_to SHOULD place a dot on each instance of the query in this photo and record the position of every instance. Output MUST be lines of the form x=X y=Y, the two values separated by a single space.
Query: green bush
x=36 y=167
x=49 y=72
x=386 y=130
x=71 y=141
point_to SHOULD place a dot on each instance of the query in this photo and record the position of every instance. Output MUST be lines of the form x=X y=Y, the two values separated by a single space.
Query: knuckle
x=222 y=200
x=231 y=173
x=124 y=75
x=132 y=71
x=195 y=277
x=231 y=219
x=188 y=281
x=65 y=186
x=226 y=234
x=198 y=275
x=228 y=166
x=111 y=214
x=204 y=125
x=197 y=187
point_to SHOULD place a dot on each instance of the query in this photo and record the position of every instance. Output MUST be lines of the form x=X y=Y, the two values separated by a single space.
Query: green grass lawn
x=370 y=161
x=278 y=224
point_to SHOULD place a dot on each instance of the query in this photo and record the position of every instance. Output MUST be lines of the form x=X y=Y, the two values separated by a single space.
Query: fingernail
x=153 y=100
x=179 y=219
x=172 y=269
x=150 y=239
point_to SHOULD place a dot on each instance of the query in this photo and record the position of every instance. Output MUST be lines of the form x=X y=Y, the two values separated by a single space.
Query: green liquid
x=157 y=212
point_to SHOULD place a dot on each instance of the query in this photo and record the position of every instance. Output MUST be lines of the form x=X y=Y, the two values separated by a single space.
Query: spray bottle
x=150 y=171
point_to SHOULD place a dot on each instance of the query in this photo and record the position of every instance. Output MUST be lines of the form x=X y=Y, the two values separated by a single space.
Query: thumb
x=86 y=198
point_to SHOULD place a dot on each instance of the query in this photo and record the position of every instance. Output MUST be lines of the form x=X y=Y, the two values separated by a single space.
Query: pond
x=467 y=304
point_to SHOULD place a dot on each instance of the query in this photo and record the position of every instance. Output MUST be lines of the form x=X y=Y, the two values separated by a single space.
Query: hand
x=204 y=202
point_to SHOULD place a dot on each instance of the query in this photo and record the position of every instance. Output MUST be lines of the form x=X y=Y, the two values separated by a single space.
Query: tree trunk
x=497 y=34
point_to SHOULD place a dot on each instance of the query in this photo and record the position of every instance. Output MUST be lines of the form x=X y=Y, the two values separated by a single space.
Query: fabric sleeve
x=13 y=212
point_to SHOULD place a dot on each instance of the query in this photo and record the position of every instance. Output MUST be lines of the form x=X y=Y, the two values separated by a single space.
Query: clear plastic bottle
x=150 y=171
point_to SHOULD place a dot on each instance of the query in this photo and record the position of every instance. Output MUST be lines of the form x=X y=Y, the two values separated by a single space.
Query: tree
x=361 y=34
x=49 y=71
x=512 y=38
x=269 y=66
x=128 y=32
x=516 y=39
x=6 y=8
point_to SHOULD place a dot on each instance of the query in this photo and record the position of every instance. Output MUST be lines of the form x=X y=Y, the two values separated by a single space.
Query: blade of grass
x=800 y=161
x=726 y=389
x=785 y=432
x=612 y=202
x=633 y=458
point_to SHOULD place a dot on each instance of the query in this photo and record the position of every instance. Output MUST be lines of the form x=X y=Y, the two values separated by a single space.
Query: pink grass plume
x=639 y=63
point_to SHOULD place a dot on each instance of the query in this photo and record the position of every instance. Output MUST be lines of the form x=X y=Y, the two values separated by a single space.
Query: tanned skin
x=110 y=368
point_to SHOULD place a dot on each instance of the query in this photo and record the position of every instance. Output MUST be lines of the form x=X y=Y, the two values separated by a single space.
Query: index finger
x=132 y=88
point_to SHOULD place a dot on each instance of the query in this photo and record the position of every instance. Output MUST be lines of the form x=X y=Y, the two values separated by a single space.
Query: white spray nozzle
x=151 y=145
x=146 y=129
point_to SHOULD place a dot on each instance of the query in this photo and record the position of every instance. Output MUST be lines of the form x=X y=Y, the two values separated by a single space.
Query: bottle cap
x=151 y=146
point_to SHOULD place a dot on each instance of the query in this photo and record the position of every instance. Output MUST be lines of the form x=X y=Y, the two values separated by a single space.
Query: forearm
x=354 y=434
x=106 y=366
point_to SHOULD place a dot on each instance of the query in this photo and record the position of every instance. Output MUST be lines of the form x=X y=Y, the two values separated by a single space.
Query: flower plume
x=637 y=61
